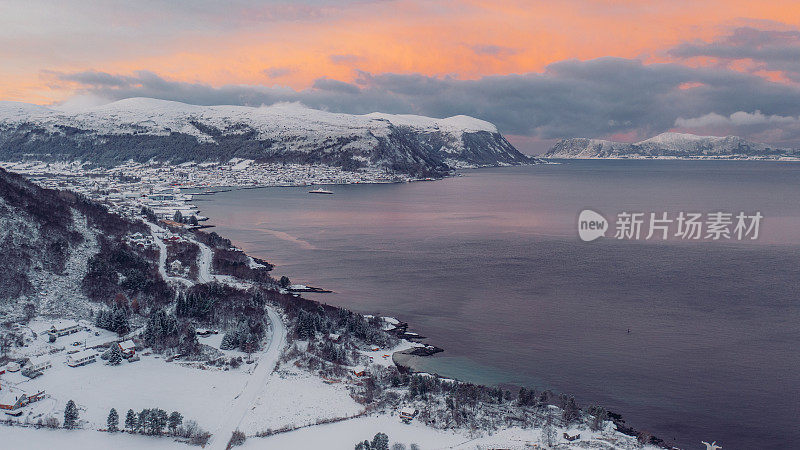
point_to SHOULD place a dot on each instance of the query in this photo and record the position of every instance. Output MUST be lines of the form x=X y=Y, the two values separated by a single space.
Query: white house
x=64 y=327
x=81 y=358
x=39 y=365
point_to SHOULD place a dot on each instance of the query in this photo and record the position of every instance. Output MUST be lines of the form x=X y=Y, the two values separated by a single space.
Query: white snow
x=33 y=439
x=161 y=117
x=233 y=413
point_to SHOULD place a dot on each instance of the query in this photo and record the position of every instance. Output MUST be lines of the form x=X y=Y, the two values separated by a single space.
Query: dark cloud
x=768 y=49
x=596 y=98
x=328 y=84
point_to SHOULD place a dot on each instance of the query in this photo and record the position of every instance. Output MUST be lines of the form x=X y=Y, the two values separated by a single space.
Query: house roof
x=127 y=345
x=82 y=354
x=65 y=323
x=8 y=397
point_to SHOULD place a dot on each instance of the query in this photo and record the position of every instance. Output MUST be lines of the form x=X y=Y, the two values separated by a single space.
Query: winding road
x=241 y=404
x=237 y=408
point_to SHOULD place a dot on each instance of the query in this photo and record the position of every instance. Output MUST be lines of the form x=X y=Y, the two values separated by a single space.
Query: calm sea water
x=489 y=267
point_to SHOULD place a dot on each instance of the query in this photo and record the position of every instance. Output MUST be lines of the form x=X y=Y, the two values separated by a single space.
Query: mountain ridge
x=143 y=129
x=670 y=145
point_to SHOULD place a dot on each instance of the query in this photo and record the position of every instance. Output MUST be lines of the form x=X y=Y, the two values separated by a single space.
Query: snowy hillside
x=50 y=242
x=143 y=129
x=675 y=145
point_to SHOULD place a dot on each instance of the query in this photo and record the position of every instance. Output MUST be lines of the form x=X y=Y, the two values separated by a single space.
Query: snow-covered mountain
x=674 y=145
x=143 y=129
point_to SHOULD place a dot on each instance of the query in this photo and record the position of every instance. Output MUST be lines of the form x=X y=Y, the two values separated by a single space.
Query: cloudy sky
x=539 y=70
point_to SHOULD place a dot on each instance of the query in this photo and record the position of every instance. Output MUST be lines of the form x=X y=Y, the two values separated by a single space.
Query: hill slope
x=143 y=129
x=676 y=145
x=61 y=251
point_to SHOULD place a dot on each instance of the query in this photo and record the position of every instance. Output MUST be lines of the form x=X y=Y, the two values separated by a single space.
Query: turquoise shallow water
x=489 y=267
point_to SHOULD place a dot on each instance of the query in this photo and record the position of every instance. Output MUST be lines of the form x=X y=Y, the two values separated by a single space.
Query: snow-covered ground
x=33 y=439
x=344 y=435
x=235 y=409
x=96 y=388
x=296 y=398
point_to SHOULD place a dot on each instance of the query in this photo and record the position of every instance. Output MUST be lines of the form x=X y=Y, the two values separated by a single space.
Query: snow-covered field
x=33 y=439
x=344 y=435
x=296 y=398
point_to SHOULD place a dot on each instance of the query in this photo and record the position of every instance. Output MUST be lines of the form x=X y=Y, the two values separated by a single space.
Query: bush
x=237 y=438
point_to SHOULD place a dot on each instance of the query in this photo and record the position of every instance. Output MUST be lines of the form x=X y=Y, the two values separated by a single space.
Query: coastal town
x=166 y=189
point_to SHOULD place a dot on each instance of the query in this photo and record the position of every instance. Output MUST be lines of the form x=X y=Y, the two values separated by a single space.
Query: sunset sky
x=540 y=71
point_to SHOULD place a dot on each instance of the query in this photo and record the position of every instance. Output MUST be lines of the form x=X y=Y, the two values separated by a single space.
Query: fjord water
x=489 y=266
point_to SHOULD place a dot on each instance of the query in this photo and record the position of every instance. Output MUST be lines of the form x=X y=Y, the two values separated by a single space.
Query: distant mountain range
x=668 y=145
x=143 y=129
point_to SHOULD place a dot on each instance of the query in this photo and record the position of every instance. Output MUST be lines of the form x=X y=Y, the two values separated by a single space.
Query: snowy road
x=204 y=263
x=239 y=406
x=155 y=230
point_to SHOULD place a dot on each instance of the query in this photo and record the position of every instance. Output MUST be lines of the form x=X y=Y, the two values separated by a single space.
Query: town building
x=63 y=328
x=81 y=358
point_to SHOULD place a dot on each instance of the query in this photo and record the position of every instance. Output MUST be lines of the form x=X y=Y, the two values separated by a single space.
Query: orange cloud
x=405 y=36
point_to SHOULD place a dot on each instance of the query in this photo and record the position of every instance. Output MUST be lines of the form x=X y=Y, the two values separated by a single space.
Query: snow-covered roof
x=8 y=397
x=127 y=345
x=82 y=354
x=407 y=410
x=64 y=323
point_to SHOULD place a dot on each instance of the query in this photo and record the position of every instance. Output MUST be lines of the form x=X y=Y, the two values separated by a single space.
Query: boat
x=320 y=191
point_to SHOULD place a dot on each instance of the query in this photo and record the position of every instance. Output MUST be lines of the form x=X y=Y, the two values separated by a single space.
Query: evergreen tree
x=175 y=420
x=70 y=415
x=113 y=421
x=178 y=217
x=144 y=420
x=284 y=282
x=115 y=355
x=230 y=341
x=119 y=321
x=158 y=420
x=130 y=420
x=380 y=442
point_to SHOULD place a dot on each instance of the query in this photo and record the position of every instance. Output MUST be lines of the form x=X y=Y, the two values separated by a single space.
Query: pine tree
x=115 y=357
x=130 y=420
x=119 y=321
x=70 y=415
x=158 y=420
x=113 y=421
x=380 y=442
x=175 y=420
x=178 y=217
x=230 y=341
x=144 y=420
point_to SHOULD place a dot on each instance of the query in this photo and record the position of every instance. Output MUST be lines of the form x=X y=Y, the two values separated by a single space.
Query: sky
x=540 y=70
